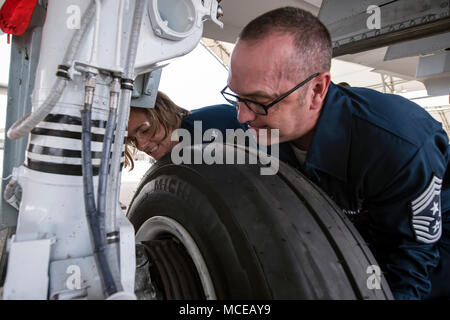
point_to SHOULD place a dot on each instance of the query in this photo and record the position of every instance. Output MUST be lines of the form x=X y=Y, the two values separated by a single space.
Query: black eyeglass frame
x=265 y=107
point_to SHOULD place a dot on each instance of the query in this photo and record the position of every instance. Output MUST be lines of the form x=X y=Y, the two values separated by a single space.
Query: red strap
x=15 y=16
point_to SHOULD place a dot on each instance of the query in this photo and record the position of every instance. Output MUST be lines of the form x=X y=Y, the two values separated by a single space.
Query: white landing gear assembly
x=72 y=240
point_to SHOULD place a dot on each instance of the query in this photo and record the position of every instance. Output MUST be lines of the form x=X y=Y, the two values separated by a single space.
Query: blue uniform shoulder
x=221 y=117
x=213 y=111
x=373 y=129
x=391 y=113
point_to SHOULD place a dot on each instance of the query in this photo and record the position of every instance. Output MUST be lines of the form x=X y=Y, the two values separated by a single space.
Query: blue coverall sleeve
x=407 y=250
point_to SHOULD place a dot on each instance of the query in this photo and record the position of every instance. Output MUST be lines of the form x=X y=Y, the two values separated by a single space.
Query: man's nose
x=245 y=114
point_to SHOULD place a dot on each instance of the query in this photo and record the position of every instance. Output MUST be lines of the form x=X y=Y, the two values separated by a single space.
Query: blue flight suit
x=220 y=117
x=383 y=159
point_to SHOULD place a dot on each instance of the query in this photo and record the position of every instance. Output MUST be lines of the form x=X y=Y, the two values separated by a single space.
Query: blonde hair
x=166 y=114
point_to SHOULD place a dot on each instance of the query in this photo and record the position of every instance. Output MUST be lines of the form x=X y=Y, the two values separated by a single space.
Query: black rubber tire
x=262 y=237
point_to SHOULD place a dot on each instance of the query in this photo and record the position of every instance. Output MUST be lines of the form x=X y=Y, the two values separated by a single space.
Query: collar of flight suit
x=330 y=146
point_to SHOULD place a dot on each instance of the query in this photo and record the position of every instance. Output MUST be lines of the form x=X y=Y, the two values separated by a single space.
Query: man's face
x=262 y=71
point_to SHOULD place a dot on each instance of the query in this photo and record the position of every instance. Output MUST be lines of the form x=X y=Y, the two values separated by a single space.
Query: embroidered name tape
x=426 y=213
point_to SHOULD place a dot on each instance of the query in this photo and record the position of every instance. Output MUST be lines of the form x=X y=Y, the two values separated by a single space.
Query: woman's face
x=140 y=131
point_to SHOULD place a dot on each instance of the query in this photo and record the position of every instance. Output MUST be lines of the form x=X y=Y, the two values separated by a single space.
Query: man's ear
x=319 y=89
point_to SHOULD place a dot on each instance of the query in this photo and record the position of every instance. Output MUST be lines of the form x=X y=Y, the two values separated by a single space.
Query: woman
x=150 y=129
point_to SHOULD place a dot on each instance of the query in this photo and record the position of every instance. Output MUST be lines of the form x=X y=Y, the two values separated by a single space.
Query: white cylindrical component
x=119 y=34
x=52 y=205
x=98 y=11
x=63 y=20
x=26 y=124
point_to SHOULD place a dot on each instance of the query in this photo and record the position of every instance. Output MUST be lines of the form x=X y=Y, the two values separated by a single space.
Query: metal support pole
x=24 y=60
x=387 y=85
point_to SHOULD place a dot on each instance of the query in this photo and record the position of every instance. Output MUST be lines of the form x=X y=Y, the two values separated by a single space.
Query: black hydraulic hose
x=106 y=153
x=88 y=183
x=104 y=168
x=98 y=237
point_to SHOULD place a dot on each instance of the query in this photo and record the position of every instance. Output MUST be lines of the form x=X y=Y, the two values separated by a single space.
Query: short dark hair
x=311 y=38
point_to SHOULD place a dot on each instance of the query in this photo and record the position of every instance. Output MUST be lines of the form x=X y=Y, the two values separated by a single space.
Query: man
x=382 y=158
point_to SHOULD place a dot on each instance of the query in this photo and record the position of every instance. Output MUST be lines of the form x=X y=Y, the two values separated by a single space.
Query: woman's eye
x=144 y=129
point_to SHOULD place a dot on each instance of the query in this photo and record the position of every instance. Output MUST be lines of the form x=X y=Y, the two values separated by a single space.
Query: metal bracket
x=145 y=89
x=27 y=271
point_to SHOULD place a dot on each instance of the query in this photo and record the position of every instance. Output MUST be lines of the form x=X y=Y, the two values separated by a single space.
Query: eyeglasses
x=258 y=107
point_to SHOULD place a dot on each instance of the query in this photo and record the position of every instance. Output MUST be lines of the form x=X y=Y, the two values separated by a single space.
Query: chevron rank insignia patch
x=426 y=213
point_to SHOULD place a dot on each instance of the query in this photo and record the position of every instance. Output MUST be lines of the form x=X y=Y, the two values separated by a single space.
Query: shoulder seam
x=389 y=131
